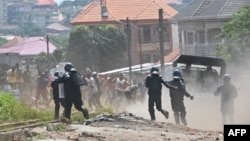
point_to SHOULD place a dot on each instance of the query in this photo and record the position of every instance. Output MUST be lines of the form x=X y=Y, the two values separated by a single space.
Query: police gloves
x=191 y=97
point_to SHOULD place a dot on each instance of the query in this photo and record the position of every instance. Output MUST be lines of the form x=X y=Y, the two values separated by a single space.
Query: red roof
x=46 y=2
x=29 y=46
x=119 y=10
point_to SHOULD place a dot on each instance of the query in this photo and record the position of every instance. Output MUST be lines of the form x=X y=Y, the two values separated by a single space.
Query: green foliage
x=59 y=55
x=221 y=50
x=60 y=41
x=100 y=48
x=60 y=128
x=45 y=61
x=33 y=30
x=29 y=29
x=236 y=33
x=12 y=109
x=3 y=41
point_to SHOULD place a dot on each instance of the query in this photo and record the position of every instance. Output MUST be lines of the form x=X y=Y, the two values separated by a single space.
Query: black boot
x=165 y=113
x=152 y=115
x=85 y=112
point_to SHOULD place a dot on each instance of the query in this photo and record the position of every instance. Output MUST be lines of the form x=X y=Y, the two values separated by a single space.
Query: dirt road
x=125 y=127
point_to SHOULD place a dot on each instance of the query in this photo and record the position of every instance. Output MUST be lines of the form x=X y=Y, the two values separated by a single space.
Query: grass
x=13 y=110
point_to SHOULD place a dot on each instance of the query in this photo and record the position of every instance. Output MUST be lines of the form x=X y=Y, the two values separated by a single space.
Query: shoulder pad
x=66 y=75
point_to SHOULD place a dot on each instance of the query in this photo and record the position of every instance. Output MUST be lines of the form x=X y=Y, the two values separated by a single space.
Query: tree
x=45 y=61
x=101 y=48
x=236 y=34
x=29 y=29
x=61 y=41
x=3 y=41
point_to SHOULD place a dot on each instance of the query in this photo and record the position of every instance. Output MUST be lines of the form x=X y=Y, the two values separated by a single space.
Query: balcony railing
x=199 y=49
x=154 y=46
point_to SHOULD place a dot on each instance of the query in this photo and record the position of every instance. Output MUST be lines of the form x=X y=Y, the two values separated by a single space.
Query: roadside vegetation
x=14 y=110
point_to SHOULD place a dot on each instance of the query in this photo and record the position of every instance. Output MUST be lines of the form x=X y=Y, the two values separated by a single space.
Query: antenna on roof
x=104 y=10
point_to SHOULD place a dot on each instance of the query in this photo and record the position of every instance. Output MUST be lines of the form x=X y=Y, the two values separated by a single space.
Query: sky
x=60 y=1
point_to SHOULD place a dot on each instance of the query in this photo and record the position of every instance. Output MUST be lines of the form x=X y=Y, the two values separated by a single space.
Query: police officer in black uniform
x=72 y=81
x=228 y=93
x=154 y=83
x=177 y=97
x=55 y=91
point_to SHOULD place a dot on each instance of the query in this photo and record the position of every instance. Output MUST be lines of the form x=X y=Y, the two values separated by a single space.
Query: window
x=189 y=38
x=200 y=36
x=146 y=34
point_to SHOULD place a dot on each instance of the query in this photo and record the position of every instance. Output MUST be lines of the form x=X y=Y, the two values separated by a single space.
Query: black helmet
x=68 y=66
x=154 y=70
x=56 y=74
x=226 y=77
x=176 y=74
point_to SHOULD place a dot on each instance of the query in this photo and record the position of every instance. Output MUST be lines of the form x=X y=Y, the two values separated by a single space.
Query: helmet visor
x=155 y=72
x=176 y=77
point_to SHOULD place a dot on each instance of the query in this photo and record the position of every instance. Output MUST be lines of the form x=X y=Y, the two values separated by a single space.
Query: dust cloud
x=204 y=111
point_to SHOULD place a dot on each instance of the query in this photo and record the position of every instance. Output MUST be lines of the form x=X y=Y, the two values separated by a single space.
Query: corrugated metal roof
x=57 y=26
x=46 y=2
x=200 y=9
x=29 y=46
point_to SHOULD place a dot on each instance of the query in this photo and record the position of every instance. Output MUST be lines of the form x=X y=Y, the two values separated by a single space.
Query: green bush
x=12 y=109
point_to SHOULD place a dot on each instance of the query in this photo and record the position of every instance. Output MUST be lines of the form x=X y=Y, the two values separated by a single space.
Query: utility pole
x=129 y=49
x=140 y=49
x=161 y=41
x=47 y=41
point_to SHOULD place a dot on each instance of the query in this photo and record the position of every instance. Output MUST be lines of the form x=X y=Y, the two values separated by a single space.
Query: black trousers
x=58 y=103
x=154 y=99
x=179 y=111
x=70 y=99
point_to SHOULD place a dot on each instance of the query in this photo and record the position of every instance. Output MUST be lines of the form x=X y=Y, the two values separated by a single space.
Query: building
x=143 y=17
x=3 y=12
x=200 y=23
x=42 y=13
x=24 y=51
x=57 y=29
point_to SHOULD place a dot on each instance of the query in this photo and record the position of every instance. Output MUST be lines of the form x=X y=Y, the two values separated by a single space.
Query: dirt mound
x=124 y=126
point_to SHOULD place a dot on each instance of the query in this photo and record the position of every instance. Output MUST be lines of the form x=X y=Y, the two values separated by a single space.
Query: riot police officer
x=177 y=97
x=72 y=81
x=228 y=93
x=154 y=83
x=58 y=100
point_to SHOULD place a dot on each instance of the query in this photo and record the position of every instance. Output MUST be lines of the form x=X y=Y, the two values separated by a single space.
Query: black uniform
x=72 y=81
x=154 y=84
x=228 y=93
x=177 y=100
x=58 y=101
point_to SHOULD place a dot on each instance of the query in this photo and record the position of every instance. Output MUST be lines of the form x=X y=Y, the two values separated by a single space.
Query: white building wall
x=10 y=59
x=175 y=36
